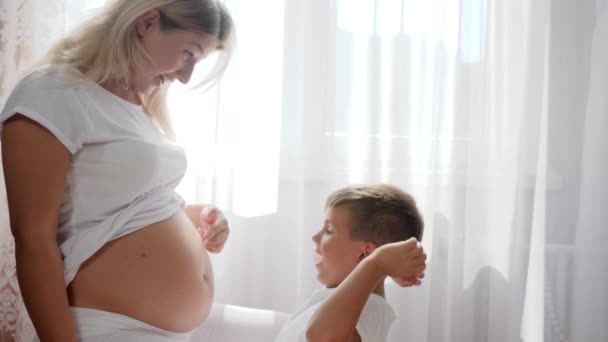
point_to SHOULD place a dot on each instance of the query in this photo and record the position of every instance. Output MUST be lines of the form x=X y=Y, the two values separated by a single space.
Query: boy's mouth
x=318 y=258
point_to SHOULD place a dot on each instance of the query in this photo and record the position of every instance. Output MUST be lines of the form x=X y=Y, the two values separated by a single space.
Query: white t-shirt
x=123 y=170
x=373 y=325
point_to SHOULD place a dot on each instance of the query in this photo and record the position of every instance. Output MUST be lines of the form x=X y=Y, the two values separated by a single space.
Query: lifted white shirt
x=123 y=170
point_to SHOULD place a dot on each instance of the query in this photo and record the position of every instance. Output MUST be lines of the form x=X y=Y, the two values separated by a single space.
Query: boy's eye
x=328 y=231
x=187 y=55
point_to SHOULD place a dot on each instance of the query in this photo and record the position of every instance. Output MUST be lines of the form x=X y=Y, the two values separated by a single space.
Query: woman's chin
x=150 y=88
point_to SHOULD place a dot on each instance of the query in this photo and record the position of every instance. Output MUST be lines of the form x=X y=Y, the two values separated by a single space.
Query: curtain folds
x=491 y=113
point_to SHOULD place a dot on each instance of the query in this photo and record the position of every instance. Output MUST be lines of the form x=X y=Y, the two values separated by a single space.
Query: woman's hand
x=214 y=229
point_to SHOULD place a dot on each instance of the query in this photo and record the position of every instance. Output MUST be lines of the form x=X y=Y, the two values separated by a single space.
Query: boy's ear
x=367 y=249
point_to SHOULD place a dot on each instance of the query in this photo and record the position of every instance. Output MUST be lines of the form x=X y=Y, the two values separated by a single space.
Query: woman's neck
x=121 y=90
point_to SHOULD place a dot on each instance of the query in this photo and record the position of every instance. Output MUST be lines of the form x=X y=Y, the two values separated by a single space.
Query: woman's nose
x=184 y=74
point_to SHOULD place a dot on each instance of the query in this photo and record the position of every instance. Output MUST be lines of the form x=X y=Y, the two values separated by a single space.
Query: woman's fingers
x=214 y=229
x=216 y=243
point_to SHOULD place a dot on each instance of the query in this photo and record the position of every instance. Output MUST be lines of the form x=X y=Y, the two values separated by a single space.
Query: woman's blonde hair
x=108 y=47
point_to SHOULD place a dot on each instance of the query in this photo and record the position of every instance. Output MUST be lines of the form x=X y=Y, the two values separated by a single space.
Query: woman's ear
x=366 y=249
x=146 y=21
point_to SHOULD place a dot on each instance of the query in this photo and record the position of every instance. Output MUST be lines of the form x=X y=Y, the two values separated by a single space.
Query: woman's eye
x=187 y=55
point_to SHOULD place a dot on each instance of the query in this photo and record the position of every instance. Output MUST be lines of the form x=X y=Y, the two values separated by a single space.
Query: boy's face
x=336 y=254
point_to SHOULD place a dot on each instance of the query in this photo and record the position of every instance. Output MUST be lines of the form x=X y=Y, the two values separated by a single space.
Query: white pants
x=102 y=326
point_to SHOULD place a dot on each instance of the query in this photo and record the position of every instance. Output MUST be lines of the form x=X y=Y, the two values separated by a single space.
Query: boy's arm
x=337 y=317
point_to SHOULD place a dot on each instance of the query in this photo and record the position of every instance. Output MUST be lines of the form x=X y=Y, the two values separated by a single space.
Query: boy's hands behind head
x=404 y=261
x=413 y=280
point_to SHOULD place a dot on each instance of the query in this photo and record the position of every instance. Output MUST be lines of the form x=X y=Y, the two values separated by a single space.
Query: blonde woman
x=105 y=248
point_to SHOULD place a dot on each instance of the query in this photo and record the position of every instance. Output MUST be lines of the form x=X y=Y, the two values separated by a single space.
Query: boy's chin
x=321 y=280
x=330 y=284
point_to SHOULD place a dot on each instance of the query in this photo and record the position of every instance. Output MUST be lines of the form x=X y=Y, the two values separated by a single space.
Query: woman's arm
x=337 y=317
x=193 y=211
x=35 y=169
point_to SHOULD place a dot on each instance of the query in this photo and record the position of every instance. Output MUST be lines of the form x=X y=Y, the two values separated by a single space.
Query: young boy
x=370 y=232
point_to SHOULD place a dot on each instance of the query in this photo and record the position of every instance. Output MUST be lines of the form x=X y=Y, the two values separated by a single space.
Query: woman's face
x=173 y=54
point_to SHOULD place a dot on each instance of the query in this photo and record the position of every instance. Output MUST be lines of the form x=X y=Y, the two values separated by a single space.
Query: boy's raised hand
x=404 y=261
x=413 y=280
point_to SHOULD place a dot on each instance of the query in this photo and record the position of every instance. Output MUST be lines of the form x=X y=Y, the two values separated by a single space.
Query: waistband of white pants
x=89 y=320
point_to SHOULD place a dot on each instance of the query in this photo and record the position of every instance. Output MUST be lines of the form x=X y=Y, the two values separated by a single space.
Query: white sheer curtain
x=490 y=112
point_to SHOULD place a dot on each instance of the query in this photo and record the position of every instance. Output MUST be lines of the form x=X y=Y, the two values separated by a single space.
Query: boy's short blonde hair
x=380 y=213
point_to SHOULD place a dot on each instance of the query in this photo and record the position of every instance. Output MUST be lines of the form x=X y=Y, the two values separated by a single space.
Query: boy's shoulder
x=373 y=325
x=375 y=319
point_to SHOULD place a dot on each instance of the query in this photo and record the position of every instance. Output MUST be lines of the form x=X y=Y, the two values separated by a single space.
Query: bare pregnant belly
x=160 y=275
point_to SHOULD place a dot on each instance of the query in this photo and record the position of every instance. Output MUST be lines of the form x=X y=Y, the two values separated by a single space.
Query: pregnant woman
x=106 y=249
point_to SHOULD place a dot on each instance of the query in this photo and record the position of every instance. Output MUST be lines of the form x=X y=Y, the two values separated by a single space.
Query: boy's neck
x=379 y=290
